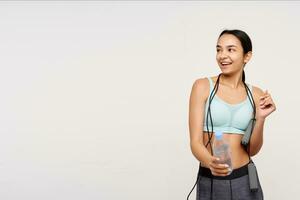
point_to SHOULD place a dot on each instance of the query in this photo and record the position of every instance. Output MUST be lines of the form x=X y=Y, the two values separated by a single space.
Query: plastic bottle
x=221 y=149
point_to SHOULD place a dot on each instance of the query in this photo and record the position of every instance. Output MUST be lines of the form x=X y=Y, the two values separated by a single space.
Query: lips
x=224 y=64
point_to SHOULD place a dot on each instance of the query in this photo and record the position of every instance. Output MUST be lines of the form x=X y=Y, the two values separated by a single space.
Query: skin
x=231 y=90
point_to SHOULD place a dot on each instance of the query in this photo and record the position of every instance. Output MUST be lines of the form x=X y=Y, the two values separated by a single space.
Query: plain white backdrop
x=94 y=95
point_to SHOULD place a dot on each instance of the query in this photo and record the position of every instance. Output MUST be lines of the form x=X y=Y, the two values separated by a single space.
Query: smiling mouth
x=225 y=64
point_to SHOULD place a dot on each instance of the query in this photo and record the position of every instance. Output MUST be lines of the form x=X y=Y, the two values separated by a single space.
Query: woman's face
x=230 y=55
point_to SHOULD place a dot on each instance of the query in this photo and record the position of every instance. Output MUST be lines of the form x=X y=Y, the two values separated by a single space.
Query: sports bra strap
x=211 y=85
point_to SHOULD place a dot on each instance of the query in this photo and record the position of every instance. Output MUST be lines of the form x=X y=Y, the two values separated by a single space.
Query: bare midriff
x=239 y=155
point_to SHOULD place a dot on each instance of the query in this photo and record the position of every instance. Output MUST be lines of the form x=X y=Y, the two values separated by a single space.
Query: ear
x=247 y=57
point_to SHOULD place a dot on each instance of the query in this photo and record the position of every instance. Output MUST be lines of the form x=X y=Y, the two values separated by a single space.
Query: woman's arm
x=256 y=141
x=199 y=94
x=197 y=101
x=264 y=106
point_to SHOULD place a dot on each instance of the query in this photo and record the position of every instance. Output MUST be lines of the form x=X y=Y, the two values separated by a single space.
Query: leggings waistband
x=236 y=173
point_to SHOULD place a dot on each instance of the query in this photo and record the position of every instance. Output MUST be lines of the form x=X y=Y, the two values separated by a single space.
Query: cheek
x=237 y=59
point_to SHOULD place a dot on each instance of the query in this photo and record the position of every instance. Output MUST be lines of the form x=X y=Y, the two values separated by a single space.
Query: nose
x=223 y=54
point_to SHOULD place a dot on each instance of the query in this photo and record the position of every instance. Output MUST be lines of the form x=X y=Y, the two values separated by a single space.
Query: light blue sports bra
x=226 y=117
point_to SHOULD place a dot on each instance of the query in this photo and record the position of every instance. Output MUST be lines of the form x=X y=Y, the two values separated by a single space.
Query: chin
x=226 y=72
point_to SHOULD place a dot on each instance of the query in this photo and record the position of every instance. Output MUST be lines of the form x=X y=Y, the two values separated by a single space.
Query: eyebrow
x=227 y=46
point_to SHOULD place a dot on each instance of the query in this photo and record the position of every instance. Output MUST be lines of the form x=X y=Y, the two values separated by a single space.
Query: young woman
x=227 y=103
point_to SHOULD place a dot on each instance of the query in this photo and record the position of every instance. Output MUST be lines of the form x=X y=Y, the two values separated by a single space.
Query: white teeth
x=225 y=63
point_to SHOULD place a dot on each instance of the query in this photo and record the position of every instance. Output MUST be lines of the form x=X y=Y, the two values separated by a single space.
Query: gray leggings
x=212 y=188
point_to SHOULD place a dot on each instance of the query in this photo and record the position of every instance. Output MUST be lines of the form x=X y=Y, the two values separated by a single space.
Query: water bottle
x=221 y=149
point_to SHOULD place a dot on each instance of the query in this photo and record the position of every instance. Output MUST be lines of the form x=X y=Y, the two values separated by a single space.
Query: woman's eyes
x=228 y=50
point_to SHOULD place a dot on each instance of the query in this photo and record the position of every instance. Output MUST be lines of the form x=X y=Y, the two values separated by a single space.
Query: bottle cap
x=218 y=135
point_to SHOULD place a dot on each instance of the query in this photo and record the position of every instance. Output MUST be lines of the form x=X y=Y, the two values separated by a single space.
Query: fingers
x=265 y=98
x=266 y=101
x=265 y=95
x=218 y=169
x=214 y=160
x=219 y=166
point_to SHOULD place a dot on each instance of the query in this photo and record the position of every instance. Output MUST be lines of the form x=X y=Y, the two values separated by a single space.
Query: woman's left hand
x=266 y=105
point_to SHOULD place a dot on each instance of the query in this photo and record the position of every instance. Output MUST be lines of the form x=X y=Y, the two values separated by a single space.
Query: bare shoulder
x=257 y=92
x=201 y=83
x=200 y=88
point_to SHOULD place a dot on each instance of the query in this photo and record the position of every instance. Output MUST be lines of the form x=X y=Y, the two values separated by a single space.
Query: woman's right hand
x=218 y=169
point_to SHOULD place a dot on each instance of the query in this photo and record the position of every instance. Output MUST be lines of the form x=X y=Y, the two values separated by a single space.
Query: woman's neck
x=232 y=82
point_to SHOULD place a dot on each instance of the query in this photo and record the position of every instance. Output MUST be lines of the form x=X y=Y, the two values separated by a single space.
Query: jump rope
x=245 y=141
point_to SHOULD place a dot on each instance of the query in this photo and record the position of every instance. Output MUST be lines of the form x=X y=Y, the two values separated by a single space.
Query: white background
x=94 y=95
